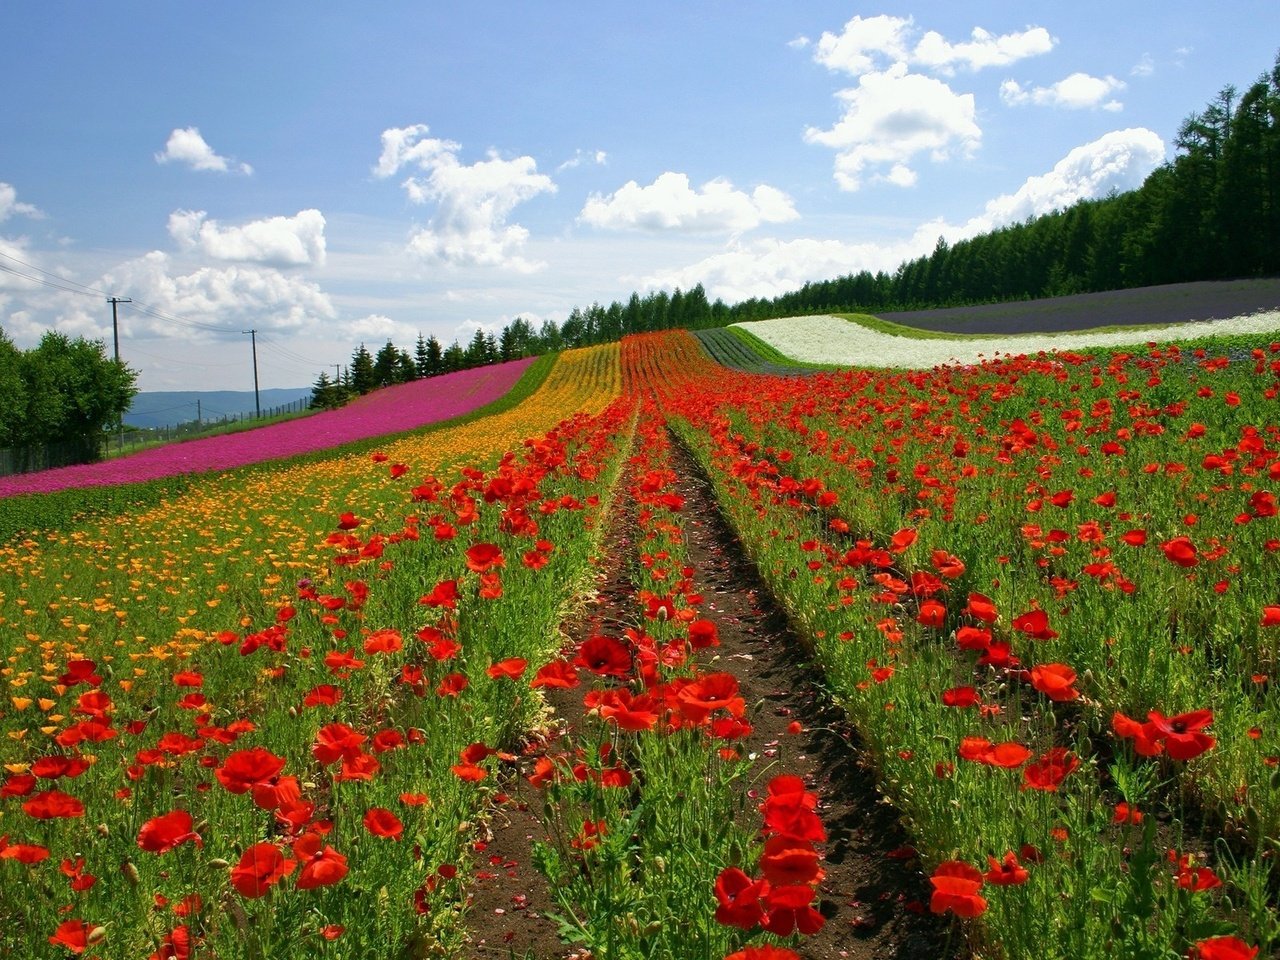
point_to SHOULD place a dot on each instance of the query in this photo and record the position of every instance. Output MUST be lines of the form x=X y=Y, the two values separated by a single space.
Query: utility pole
x=197 y=413
x=115 y=325
x=257 y=404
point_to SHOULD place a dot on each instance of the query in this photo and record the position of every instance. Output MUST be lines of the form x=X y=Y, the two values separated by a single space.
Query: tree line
x=59 y=400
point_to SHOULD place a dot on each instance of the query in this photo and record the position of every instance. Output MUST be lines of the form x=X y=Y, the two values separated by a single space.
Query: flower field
x=283 y=713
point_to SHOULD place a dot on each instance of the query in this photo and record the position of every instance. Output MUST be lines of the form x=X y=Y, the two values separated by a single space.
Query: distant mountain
x=162 y=407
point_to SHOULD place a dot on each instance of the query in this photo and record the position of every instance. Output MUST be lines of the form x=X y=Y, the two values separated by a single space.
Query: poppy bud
x=130 y=872
x=103 y=830
x=219 y=864
x=96 y=935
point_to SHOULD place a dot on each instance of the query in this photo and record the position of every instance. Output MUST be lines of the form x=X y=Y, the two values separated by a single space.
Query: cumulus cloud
x=1117 y=161
x=186 y=145
x=295 y=241
x=472 y=202
x=670 y=203
x=891 y=117
x=1080 y=91
x=10 y=205
x=866 y=43
x=230 y=297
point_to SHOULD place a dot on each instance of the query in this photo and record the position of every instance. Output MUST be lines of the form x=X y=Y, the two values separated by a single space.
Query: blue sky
x=328 y=174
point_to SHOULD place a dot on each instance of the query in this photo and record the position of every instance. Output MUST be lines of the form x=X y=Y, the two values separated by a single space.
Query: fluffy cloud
x=865 y=43
x=890 y=118
x=670 y=203
x=226 y=297
x=469 y=226
x=766 y=268
x=597 y=157
x=1077 y=92
x=185 y=145
x=278 y=241
x=10 y=205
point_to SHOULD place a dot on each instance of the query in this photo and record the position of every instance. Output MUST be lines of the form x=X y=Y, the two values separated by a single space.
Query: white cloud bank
x=10 y=205
x=891 y=117
x=295 y=241
x=186 y=145
x=1079 y=91
x=670 y=203
x=469 y=226
x=1117 y=161
x=866 y=42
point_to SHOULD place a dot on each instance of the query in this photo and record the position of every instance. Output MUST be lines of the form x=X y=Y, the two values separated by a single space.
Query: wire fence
x=47 y=456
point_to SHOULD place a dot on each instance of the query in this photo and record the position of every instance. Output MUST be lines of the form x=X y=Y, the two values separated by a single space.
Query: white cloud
x=766 y=268
x=1118 y=161
x=232 y=297
x=799 y=42
x=1145 y=66
x=983 y=50
x=278 y=241
x=469 y=226
x=669 y=203
x=1079 y=91
x=598 y=157
x=866 y=43
x=376 y=329
x=892 y=116
x=10 y=205
x=185 y=145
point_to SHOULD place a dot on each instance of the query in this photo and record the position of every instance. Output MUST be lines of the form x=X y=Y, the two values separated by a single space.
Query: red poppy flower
x=558 y=674
x=322 y=865
x=960 y=697
x=443 y=594
x=386 y=640
x=902 y=540
x=324 y=695
x=161 y=834
x=335 y=741
x=1271 y=615
x=511 y=668
x=1049 y=770
x=787 y=862
x=605 y=656
x=1181 y=551
x=1034 y=623
x=633 y=714
x=955 y=888
x=1223 y=948
x=244 y=768
x=27 y=853
x=1007 y=872
x=72 y=935
x=790 y=909
x=261 y=867
x=765 y=952
x=1181 y=735
x=931 y=614
x=452 y=685
x=381 y=822
x=714 y=691
x=53 y=805
x=348 y=521
x=1055 y=681
x=703 y=634
x=739 y=899
x=1146 y=743
x=483 y=557
x=981 y=608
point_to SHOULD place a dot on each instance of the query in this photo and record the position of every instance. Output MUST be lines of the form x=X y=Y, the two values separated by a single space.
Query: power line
x=84 y=289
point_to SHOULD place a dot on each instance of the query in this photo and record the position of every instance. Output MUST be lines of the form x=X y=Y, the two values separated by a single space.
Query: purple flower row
x=389 y=410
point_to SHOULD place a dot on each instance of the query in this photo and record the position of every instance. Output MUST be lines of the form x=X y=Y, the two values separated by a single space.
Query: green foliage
x=58 y=401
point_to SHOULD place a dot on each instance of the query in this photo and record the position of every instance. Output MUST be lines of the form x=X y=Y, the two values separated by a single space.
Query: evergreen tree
x=325 y=394
x=453 y=359
x=363 y=375
x=435 y=357
x=422 y=358
x=386 y=365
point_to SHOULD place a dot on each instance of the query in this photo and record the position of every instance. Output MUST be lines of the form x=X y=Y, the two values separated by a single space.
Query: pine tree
x=422 y=358
x=435 y=357
x=363 y=376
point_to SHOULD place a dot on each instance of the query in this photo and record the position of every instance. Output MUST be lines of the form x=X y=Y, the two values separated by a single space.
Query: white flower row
x=826 y=339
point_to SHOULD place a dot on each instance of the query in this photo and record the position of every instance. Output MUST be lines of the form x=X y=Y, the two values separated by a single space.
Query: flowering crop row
x=259 y=714
x=1042 y=588
x=392 y=410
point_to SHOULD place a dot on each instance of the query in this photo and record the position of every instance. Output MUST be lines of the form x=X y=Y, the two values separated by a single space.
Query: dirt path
x=874 y=899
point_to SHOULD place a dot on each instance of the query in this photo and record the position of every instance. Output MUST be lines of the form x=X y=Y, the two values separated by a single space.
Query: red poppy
x=1049 y=770
x=558 y=674
x=787 y=862
x=931 y=614
x=322 y=865
x=386 y=640
x=1223 y=948
x=261 y=867
x=1034 y=623
x=1182 y=735
x=1271 y=615
x=512 y=668
x=981 y=608
x=483 y=557
x=348 y=521
x=902 y=540
x=381 y=822
x=72 y=935
x=633 y=714
x=703 y=634
x=739 y=899
x=335 y=741
x=764 y=952
x=53 y=805
x=955 y=888
x=244 y=768
x=709 y=693
x=1055 y=681
x=961 y=697
x=1007 y=872
x=324 y=695
x=443 y=594
x=1181 y=551
x=790 y=909
x=1146 y=743
x=51 y=768
x=605 y=656
x=27 y=853
x=452 y=685
x=161 y=834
